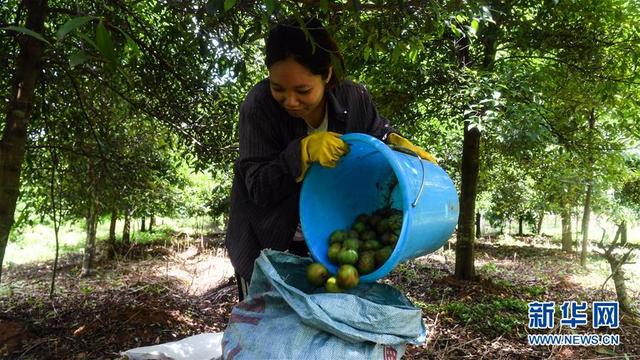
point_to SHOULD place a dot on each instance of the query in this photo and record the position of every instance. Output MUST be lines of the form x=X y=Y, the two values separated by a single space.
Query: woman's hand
x=398 y=140
x=324 y=147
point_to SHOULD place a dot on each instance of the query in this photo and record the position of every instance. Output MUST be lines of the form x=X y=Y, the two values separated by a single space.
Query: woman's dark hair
x=288 y=40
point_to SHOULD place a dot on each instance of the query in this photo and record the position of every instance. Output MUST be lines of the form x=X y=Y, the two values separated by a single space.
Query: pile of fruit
x=359 y=250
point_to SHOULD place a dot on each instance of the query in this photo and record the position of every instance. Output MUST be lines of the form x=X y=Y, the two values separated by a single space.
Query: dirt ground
x=154 y=294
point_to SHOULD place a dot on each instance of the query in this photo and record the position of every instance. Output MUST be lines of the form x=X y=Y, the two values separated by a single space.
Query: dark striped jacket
x=264 y=194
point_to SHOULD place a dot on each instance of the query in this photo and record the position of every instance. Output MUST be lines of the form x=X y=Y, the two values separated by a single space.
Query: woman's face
x=296 y=88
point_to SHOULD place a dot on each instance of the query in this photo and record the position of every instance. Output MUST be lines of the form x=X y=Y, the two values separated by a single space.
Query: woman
x=288 y=121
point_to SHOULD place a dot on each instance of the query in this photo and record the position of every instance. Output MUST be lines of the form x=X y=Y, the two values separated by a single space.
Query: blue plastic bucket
x=369 y=177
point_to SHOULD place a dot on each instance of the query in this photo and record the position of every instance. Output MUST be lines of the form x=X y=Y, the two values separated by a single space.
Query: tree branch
x=587 y=71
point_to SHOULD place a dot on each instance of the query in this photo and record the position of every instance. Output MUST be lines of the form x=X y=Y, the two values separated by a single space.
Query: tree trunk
x=488 y=39
x=56 y=216
x=539 y=225
x=92 y=219
x=619 y=278
x=14 y=137
x=89 y=247
x=112 y=235
x=520 y=226
x=54 y=272
x=619 y=281
x=126 y=230
x=616 y=261
x=465 y=268
x=587 y=198
x=478 y=232
x=152 y=222
x=585 y=226
x=567 y=241
x=143 y=225
x=465 y=237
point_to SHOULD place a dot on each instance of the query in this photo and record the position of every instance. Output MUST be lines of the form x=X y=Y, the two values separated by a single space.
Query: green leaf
x=474 y=25
x=71 y=25
x=88 y=40
x=455 y=30
x=78 y=58
x=324 y=5
x=132 y=46
x=396 y=53
x=28 y=32
x=105 y=43
x=271 y=5
x=413 y=55
x=228 y=4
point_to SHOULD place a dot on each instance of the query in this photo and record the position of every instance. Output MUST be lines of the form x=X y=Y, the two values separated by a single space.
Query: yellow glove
x=398 y=140
x=324 y=147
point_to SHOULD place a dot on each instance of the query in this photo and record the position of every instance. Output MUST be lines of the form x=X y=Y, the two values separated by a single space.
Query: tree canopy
x=127 y=94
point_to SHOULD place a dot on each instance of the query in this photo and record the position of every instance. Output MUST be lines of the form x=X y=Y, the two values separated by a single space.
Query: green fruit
x=352 y=234
x=363 y=218
x=347 y=256
x=347 y=277
x=382 y=227
x=359 y=226
x=395 y=222
x=317 y=274
x=351 y=243
x=332 y=285
x=366 y=262
x=374 y=220
x=383 y=254
x=365 y=246
x=393 y=239
x=386 y=238
x=337 y=236
x=371 y=245
x=368 y=235
x=333 y=252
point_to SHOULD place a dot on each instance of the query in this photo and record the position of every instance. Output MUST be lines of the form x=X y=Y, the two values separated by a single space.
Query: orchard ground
x=174 y=284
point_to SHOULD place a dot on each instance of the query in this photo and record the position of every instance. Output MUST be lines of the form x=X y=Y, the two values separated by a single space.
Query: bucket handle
x=407 y=151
